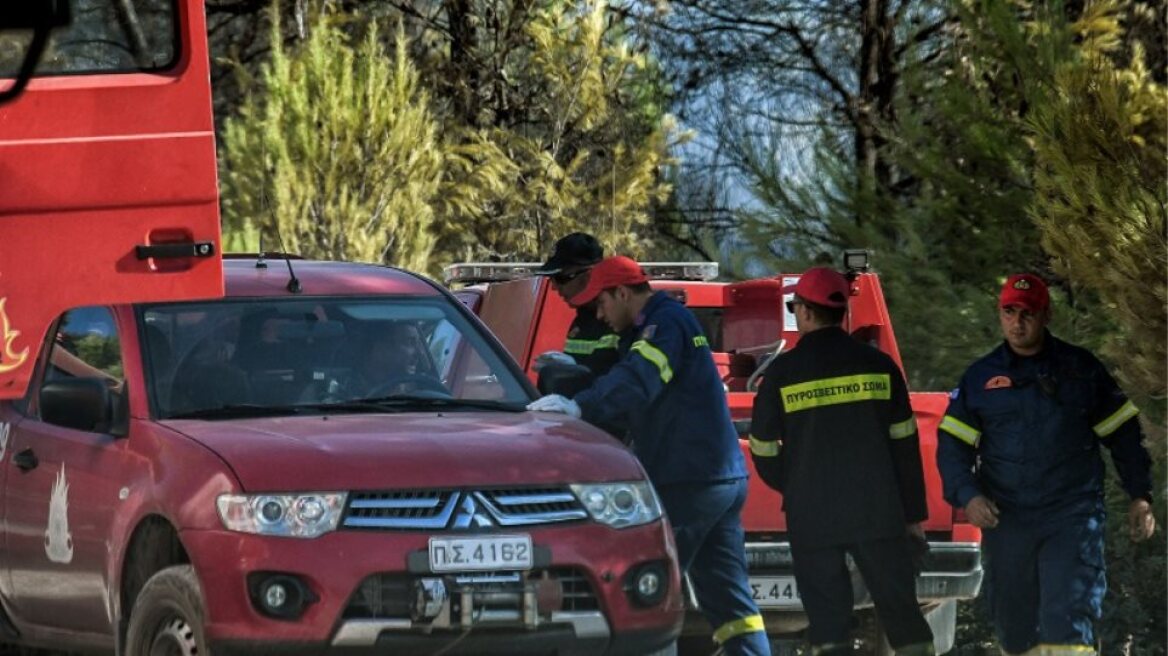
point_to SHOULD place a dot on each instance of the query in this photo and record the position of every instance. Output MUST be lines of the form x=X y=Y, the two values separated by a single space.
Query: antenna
x=293 y=282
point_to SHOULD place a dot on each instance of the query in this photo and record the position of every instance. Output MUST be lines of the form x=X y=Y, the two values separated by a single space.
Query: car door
x=108 y=188
x=63 y=487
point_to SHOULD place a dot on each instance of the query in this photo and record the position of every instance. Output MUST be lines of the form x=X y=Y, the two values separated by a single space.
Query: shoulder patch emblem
x=999 y=382
x=649 y=331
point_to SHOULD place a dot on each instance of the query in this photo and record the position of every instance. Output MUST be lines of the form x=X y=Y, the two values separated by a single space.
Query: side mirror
x=565 y=379
x=79 y=403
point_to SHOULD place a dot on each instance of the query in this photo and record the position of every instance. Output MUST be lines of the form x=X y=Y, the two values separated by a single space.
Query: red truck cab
x=108 y=188
x=747 y=323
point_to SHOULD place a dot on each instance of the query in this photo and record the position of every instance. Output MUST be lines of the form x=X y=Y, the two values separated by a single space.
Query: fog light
x=274 y=596
x=647 y=584
x=282 y=596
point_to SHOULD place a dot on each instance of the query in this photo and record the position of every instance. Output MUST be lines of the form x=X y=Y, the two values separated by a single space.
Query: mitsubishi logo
x=470 y=515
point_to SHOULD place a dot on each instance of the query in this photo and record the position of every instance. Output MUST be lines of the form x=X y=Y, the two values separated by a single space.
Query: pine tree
x=1101 y=199
x=336 y=153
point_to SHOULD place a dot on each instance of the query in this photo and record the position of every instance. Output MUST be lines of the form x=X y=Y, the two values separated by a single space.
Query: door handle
x=26 y=460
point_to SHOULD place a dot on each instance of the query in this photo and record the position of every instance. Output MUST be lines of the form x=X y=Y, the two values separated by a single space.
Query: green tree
x=1101 y=200
x=336 y=152
x=567 y=112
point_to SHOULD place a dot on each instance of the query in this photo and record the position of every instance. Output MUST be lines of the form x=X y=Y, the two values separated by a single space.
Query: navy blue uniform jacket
x=1026 y=431
x=666 y=390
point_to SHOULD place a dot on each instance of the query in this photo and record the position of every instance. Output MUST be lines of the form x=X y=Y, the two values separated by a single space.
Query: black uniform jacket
x=834 y=432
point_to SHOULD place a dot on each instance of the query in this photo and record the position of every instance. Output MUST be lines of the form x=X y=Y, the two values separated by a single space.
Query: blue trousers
x=1045 y=578
x=711 y=549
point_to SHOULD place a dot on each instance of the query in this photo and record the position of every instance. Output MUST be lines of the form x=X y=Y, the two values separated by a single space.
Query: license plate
x=775 y=591
x=480 y=554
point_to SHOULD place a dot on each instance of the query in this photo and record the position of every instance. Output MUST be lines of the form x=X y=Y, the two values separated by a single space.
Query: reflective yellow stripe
x=700 y=341
x=1112 y=423
x=762 y=448
x=960 y=430
x=1063 y=650
x=916 y=649
x=589 y=346
x=654 y=355
x=735 y=628
x=904 y=429
x=841 y=389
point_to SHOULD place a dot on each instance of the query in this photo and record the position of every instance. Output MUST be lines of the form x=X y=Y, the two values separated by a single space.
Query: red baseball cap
x=1025 y=290
x=611 y=272
x=822 y=286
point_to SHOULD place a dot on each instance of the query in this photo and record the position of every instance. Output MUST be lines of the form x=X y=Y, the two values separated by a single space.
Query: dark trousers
x=825 y=586
x=1045 y=578
x=711 y=548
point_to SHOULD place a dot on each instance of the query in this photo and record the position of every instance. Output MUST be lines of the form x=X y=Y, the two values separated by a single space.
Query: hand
x=555 y=403
x=982 y=512
x=551 y=357
x=916 y=531
x=1141 y=523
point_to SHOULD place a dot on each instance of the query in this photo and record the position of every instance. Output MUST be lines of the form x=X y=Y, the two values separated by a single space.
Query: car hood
x=411 y=450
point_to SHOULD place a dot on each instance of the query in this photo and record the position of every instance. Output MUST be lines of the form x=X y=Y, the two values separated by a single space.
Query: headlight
x=619 y=504
x=291 y=515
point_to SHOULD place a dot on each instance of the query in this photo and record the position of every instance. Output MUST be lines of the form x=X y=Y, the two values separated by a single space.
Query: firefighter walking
x=1019 y=451
x=666 y=390
x=833 y=431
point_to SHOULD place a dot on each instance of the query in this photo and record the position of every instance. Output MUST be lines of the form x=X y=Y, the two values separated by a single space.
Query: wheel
x=394 y=385
x=167 y=619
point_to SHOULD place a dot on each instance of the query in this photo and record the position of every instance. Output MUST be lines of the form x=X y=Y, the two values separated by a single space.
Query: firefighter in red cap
x=1019 y=451
x=833 y=431
x=667 y=392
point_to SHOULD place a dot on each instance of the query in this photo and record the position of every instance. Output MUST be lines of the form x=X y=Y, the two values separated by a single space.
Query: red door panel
x=92 y=168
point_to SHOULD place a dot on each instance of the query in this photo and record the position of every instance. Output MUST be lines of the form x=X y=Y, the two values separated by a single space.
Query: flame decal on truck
x=9 y=360
x=58 y=540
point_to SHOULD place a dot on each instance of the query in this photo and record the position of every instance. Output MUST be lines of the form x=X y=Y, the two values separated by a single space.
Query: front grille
x=424 y=509
x=442 y=509
x=391 y=596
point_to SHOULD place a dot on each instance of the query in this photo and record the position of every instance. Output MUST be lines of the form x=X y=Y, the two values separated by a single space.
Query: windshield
x=105 y=36
x=318 y=353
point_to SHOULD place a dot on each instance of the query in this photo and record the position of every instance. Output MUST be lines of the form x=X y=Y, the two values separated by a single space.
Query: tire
x=167 y=619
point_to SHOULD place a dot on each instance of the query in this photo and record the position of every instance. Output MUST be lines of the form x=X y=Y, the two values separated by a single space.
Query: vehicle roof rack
x=469 y=273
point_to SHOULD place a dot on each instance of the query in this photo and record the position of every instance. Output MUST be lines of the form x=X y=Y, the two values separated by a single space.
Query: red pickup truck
x=333 y=458
x=746 y=324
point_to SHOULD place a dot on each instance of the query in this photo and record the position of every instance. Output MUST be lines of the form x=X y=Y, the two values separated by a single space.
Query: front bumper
x=951 y=571
x=362 y=581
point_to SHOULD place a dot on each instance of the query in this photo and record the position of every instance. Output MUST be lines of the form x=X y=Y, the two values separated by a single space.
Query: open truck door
x=108 y=189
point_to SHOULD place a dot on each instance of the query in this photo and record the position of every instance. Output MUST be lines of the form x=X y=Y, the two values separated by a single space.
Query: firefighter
x=590 y=342
x=833 y=431
x=666 y=390
x=1019 y=452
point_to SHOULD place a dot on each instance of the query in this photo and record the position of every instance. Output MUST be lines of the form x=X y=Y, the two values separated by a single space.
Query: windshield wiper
x=399 y=401
x=238 y=411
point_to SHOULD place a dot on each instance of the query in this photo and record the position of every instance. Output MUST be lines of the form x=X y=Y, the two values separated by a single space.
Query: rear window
x=107 y=36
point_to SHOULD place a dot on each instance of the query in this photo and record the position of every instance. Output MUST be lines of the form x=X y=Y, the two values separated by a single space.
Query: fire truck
x=747 y=325
x=108 y=189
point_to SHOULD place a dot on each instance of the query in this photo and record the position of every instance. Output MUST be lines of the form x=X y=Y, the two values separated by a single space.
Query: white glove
x=551 y=357
x=555 y=403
